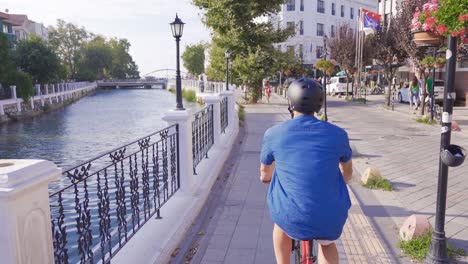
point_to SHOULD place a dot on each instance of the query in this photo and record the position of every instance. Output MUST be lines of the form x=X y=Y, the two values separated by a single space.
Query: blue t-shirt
x=307 y=196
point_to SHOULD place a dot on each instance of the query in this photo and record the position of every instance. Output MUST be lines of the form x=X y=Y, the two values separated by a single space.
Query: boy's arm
x=266 y=172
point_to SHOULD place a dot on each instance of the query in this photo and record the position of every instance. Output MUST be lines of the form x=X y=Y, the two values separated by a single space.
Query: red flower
x=442 y=29
x=463 y=17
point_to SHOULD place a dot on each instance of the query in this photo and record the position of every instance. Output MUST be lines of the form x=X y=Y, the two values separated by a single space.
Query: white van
x=337 y=85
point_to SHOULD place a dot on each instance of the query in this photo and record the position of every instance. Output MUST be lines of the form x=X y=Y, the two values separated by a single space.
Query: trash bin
x=453 y=155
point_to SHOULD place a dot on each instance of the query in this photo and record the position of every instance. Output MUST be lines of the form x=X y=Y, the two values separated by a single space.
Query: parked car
x=338 y=85
x=403 y=96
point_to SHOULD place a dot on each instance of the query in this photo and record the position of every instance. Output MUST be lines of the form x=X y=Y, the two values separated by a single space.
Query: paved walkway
x=237 y=228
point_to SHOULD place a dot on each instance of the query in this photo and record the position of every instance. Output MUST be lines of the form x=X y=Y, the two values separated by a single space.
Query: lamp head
x=177 y=27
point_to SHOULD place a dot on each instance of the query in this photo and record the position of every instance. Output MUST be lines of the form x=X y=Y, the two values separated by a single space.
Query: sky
x=145 y=23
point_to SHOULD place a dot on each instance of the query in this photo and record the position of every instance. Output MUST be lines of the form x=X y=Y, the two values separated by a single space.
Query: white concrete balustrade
x=47 y=94
x=196 y=85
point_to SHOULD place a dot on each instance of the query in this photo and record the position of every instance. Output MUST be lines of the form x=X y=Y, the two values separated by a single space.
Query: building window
x=351 y=13
x=5 y=28
x=290 y=49
x=342 y=10
x=333 y=9
x=291 y=26
x=311 y=48
x=359 y=12
x=291 y=5
x=319 y=29
x=301 y=27
x=318 y=52
x=320 y=6
x=302 y=5
x=332 y=32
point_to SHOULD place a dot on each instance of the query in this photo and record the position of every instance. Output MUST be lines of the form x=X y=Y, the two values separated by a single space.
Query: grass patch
x=189 y=95
x=379 y=184
x=417 y=248
x=359 y=100
x=426 y=120
x=172 y=91
x=241 y=112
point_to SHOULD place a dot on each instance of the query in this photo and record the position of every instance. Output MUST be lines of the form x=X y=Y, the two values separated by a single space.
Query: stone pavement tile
x=237 y=256
x=214 y=255
x=245 y=237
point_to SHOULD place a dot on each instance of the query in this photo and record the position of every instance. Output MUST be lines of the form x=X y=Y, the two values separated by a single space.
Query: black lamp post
x=177 y=28
x=438 y=249
x=325 y=38
x=227 y=55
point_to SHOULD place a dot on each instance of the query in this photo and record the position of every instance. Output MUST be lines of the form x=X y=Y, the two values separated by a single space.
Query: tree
x=67 y=40
x=123 y=66
x=194 y=59
x=37 y=58
x=343 y=50
x=95 y=60
x=7 y=64
x=401 y=23
x=388 y=54
x=236 y=26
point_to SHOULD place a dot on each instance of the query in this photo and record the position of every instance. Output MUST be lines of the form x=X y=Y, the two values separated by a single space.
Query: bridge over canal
x=134 y=83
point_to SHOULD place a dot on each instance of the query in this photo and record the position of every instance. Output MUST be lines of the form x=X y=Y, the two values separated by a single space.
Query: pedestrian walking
x=414 y=93
x=267 y=90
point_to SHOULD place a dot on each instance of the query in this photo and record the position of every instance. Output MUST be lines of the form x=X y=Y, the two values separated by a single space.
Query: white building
x=28 y=27
x=313 y=19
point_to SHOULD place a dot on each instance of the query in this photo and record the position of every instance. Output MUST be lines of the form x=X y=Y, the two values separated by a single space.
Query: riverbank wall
x=48 y=97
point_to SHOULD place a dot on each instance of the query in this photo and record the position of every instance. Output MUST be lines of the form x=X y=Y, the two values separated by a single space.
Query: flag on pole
x=371 y=20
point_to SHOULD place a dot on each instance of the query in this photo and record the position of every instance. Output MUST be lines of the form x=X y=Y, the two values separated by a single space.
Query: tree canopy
x=36 y=57
x=237 y=26
x=194 y=58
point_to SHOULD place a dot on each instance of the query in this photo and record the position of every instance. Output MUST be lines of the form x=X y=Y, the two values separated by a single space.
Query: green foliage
x=325 y=65
x=426 y=120
x=189 y=95
x=194 y=59
x=450 y=14
x=37 y=58
x=241 y=112
x=380 y=184
x=418 y=247
x=95 y=59
x=7 y=65
x=123 y=66
x=23 y=82
x=428 y=62
x=235 y=26
x=67 y=40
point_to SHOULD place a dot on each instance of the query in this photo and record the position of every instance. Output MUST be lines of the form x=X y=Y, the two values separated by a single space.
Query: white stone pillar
x=38 y=88
x=26 y=235
x=232 y=116
x=215 y=101
x=2 y=111
x=31 y=101
x=15 y=96
x=47 y=93
x=184 y=119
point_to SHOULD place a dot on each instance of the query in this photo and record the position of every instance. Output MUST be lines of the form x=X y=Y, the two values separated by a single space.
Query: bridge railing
x=44 y=94
x=201 y=86
x=94 y=212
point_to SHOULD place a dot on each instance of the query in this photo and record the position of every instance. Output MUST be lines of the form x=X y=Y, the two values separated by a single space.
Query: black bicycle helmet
x=305 y=96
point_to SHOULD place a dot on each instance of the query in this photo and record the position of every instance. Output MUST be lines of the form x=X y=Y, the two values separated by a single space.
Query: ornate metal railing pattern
x=202 y=135
x=224 y=114
x=104 y=201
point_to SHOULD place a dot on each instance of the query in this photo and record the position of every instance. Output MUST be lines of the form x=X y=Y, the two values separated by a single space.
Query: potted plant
x=439 y=62
x=437 y=19
x=428 y=62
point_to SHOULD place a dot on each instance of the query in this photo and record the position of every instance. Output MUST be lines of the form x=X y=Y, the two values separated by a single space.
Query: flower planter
x=427 y=38
x=439 y=65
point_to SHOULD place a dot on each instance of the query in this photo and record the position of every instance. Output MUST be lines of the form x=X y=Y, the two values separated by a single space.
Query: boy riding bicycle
x=308 y=163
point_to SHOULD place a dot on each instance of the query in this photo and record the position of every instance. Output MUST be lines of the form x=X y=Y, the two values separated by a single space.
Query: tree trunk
x=389 y=90
x=347 y=85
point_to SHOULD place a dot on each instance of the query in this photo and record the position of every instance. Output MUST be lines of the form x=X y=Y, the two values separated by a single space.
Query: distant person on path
x=267 y=90
x=429 y=90
x=308 y=164
x=414 y=93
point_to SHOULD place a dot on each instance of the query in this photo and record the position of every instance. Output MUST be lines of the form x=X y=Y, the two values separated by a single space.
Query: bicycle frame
x=304 y=252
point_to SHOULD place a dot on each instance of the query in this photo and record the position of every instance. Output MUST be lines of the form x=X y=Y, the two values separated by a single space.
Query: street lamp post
x=325 y=38
x=227 y=55
x=438 y=249
x=177 y=28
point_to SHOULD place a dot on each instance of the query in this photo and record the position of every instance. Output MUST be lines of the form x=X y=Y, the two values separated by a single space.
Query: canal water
x=94 y=124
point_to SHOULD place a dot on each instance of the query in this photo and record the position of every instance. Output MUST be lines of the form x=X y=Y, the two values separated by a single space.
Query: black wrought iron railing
x=224 y=114
x=202 y=135
x=101 y=203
